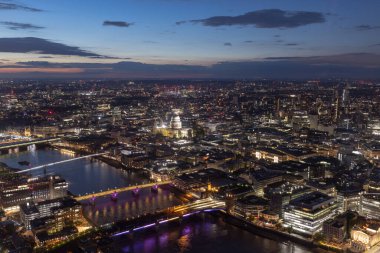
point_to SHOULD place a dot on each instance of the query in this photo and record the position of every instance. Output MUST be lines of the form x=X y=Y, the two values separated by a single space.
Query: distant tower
x=278 y=107
x=336 y=114
x=175 y=122
x=51 y=188
x=346 y=95
x=346 y=98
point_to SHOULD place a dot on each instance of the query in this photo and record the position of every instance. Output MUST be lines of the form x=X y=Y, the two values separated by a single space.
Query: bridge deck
x=59 y=162
x=122 y=189
x=26 y=143
x=200 y=204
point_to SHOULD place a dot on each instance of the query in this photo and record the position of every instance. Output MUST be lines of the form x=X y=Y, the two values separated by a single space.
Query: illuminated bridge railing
x=198 y=205
x=122 y=189
x=59 y=162
x=201 y=204
x=27 y=143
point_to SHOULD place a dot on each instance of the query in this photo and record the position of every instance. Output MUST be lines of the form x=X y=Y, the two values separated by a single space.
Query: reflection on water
x=84 y=176
x=201 y=234
x=128 y=205
x=207 y=234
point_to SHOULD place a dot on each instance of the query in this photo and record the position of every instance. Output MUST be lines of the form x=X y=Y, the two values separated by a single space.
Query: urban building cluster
x=297 y=158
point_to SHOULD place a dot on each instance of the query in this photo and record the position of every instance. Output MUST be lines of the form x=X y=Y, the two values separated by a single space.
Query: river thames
x=84 y=175
x=206 y=234
x=203 y=233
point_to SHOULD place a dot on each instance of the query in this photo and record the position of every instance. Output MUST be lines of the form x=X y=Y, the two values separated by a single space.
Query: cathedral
x=175 y=129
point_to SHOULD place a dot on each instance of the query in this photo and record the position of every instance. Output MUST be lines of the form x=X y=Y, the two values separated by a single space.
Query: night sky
x=190 y=39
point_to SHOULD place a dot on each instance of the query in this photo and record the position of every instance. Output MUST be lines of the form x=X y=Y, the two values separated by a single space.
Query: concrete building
x=28 y=212
x=250 y=206
x=281 y=193
x=349 y=200
x=307 y=213
x=61 y=209
x=370 y=206
x=261 y=178
x=32 y=189
x=334 y=230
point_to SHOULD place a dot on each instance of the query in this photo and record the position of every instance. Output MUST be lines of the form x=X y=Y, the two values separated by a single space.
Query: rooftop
x=311 y=201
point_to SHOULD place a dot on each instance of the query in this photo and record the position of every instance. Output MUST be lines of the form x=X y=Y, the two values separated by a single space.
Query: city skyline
x=190 y=39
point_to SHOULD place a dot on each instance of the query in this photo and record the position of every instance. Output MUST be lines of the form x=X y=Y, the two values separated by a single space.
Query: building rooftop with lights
x=307 y=213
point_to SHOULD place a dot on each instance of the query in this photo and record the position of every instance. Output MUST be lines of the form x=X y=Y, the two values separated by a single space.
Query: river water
x=199 y=234
x=206 y=234
x=84 y=175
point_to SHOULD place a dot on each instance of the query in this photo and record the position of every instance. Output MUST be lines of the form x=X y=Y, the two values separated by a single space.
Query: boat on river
x=24 y=163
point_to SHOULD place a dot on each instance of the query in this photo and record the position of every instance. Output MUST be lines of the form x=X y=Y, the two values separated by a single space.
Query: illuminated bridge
x=197 y=205
x=59 y=162
x=27 y=143
x=113 y=192
x=177 y=213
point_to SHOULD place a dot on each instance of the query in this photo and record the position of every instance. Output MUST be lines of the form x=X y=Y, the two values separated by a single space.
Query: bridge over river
x=17 y=144
x=112 y=192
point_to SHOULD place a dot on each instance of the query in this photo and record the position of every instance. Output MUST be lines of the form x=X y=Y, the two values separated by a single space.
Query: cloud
x=20 y=26
x=269 y=18
x=227 y=44
x=108 y=57
x=180 y=22
x=117 y=23
x=291 y=44
x=11 y=6
x=367 y=27
x=248 y=41
x=356 y=65
x=41 y=46
x=150 y=42
x=366 y=60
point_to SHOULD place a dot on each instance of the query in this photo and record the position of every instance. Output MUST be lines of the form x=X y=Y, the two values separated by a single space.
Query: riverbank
x=274 y=234
x=111 y=162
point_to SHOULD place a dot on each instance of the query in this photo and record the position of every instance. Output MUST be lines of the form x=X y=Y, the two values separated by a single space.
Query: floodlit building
x=33 y=189
x=307 y=213
x=349 y=200
x=28 y=212
x=251 y=206
x=60 y=210
x=364 y=237
x=370 y=206
x=281 y=193
x=175 y=129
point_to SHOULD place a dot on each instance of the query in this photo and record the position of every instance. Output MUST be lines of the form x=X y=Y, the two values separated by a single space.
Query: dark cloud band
x=117 y=23
x=359 y=65
x=269 y=18
x=41 y=46
x=20 y=26
x=11 y=6
x=367 y=27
